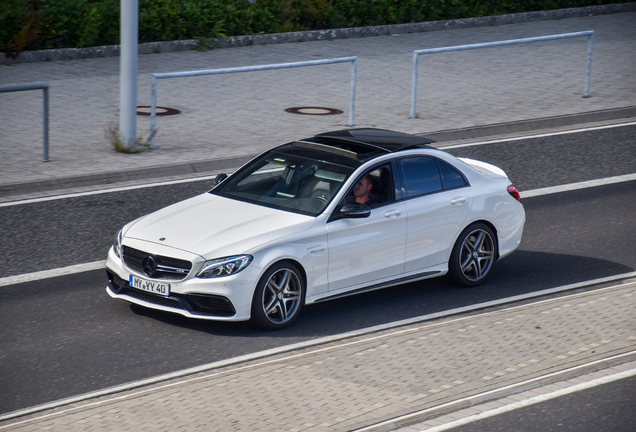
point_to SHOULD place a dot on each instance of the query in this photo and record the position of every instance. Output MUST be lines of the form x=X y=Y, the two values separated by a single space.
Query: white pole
x=128 y=73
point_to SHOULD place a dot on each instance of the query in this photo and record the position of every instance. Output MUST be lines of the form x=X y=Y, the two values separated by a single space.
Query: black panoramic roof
x=380 y=138
x=363 y=144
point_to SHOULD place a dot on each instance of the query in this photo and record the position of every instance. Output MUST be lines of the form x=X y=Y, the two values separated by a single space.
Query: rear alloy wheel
x=278 y=298
x=473 y=256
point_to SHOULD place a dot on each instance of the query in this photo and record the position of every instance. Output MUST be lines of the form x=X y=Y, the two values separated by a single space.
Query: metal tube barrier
x=45 y=88
x=588 y=70
x=155 y=77
x=588 y=66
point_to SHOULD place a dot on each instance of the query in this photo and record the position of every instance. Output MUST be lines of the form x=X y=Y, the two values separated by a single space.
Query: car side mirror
x=219 y=178
x=354 y=211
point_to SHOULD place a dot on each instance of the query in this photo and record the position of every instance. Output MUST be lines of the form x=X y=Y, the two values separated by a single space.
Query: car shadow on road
x=521 y=273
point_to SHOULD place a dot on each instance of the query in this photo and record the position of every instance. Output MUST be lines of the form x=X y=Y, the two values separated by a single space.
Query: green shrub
x=45 y=24
x=20 y=24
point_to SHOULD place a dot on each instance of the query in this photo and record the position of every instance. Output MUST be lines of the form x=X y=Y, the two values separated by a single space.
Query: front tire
x=279 y=297
x=473 y=256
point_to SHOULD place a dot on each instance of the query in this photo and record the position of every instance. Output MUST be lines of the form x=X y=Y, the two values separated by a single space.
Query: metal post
x=153 y=111
x=45 y=155
x=352 y=103
x=414 y=84
x=588 y=69
x=128 y=73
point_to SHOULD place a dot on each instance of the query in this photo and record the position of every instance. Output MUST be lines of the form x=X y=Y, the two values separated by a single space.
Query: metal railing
x=417 y=53
x=45 y=88
x=155 y=77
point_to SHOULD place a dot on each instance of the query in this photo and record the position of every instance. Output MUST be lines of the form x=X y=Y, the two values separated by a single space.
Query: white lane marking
x=533 y=400
x=167 y=183
x=303 y=345
x=548 y=134
x=579 y=185
x=99 y=192
x=46 y=274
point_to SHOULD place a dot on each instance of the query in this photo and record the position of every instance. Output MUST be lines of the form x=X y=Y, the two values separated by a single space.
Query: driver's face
x=361 y=188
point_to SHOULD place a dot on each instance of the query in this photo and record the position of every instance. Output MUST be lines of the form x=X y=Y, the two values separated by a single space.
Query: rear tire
x=473 y=256
x=279 y=297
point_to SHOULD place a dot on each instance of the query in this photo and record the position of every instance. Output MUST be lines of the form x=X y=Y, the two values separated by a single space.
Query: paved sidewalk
x=430 y=368
x=226 y=118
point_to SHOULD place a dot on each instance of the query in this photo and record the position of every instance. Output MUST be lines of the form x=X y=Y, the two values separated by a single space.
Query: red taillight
x=512 y=190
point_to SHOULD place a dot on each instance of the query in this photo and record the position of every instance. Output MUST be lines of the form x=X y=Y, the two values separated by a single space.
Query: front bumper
x=193 y=305
x=219 y=299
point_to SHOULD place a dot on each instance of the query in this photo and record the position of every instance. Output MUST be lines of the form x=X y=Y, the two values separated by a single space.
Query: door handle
x=392 y=213
x=459 y=200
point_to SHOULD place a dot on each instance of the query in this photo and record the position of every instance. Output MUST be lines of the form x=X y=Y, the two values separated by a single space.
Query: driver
x=362 y=189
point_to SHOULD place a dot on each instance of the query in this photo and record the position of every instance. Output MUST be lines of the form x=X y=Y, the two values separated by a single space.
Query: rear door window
x=420 y=176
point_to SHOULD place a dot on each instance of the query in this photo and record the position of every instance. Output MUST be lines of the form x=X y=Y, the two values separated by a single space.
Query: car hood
x=213 y=227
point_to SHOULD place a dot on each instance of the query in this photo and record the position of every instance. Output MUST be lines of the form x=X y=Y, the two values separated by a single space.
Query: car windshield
x=287 y=182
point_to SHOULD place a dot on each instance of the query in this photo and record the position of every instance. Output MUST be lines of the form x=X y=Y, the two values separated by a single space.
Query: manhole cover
x=313 y=111
x=161 y=111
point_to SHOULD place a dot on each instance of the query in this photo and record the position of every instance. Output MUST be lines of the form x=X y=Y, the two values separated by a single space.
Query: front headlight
x=224 y=266
x=117 y=244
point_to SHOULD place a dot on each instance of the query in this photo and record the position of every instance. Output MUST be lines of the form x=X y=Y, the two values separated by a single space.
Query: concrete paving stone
x=410 y=429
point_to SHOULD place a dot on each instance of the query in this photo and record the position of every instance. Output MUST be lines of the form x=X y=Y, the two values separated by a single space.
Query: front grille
x=167 y=268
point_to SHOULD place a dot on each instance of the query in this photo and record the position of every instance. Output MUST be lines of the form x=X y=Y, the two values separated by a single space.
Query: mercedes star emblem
x=149 y=266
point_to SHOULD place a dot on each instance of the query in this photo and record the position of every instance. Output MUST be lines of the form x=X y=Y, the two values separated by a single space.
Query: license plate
x=154 y=287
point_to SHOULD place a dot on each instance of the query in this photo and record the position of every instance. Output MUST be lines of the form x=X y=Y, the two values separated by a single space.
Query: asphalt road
x=64 y=336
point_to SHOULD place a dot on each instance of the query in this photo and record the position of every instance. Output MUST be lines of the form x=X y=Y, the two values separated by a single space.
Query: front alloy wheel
x=278 y=298
x=473 y=256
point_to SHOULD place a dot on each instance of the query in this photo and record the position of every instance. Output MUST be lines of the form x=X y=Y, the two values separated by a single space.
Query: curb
x=533 y=124
x=318 y=35
x=217 y=165
x=184 y=169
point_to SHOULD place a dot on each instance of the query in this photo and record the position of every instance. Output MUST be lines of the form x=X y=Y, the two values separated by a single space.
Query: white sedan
x=318 y=219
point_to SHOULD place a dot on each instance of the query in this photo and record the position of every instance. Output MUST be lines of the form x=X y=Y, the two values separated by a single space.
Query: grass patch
x=113 y=136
